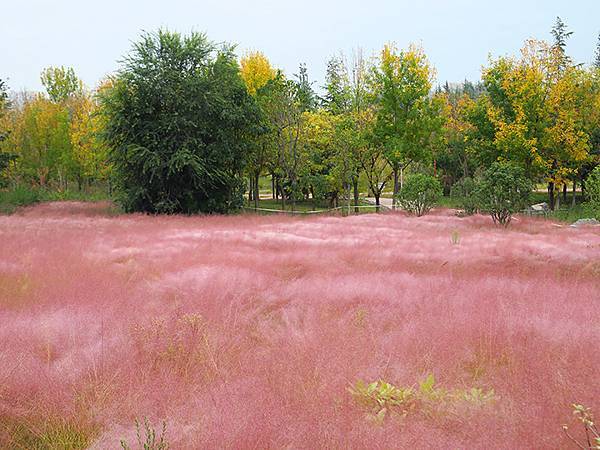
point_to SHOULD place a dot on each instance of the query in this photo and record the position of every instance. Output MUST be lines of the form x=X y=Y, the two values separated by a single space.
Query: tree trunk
x=250 y=189
x=565 y=193
x=293 y=195
x=355 y=183
x=282 y=200
x=348 y=198
x=402 y=177
x=273 y=185
x=377 y=204
x=551 y=195
x=395 y=169
x=256 y=190
x=574 y=193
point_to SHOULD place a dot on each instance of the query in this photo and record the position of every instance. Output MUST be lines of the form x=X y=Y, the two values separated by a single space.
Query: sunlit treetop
x=256 y=71
x=61 y=83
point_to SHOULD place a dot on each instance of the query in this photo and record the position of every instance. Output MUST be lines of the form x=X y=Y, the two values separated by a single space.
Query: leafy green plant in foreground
x=381 y=398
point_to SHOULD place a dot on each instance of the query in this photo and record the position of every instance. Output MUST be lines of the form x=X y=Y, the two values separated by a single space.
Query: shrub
x=420 y=193
x=463 y=190
x=19 y=196
x=502 y=191
x=592 y=192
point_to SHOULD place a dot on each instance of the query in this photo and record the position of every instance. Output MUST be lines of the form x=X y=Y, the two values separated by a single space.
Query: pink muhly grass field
x=247 y=331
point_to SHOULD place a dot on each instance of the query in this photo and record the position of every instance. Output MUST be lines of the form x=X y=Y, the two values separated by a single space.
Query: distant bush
x=592 y=192
x=464 y=191
x=19 y=196
x=502 y=191
x=420 y=193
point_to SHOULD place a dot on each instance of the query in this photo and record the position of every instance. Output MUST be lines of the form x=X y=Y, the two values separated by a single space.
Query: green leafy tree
x=596 y=62
x=343 y=102
x=284 y=102
x=561 y=35
x=502 y=191
x=592 y=191
x=407 y=117
x=40 y=137
x=5 y=157
x=464 y=190
x=337 y=99
x=452 y=160
x=177 y=120
x=256 y=71
x=61 y=83
x=532 y=115
x=4 y=104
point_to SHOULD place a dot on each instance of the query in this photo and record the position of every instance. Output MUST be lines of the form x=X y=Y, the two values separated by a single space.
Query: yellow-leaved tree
x=531 y=114
x=256 y=71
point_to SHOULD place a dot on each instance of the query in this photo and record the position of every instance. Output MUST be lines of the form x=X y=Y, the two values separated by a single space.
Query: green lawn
x=306 y=206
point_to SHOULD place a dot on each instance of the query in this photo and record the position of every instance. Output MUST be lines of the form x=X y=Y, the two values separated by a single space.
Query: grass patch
x=308 y=206
x=12 y=199
x=46 y=434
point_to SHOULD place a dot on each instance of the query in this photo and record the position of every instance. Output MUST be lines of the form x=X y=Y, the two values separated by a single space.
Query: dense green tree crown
x=5 y=157
x=178 y=116
x=3 y=106
x=592 y=191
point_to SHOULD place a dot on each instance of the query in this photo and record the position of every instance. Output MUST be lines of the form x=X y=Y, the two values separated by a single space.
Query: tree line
x=186 y=126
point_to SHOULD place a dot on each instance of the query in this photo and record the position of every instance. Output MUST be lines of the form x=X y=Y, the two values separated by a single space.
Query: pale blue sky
x=457 y=35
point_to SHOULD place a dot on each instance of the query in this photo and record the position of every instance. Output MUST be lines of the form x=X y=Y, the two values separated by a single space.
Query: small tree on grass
x=592 y=192
x=502 y=191
x=419 y=194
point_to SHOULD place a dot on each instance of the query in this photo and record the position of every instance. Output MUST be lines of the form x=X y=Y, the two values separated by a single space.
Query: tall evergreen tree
x=306 y=95
x=597 y=54
x=561 y=34
x=337 y=96
x=5 y=157
x=3 y=105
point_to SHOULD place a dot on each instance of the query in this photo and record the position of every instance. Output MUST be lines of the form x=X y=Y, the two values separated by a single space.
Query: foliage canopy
x=178 y=118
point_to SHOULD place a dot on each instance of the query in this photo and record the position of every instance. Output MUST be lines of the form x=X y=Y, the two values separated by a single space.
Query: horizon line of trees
x=185 y=126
